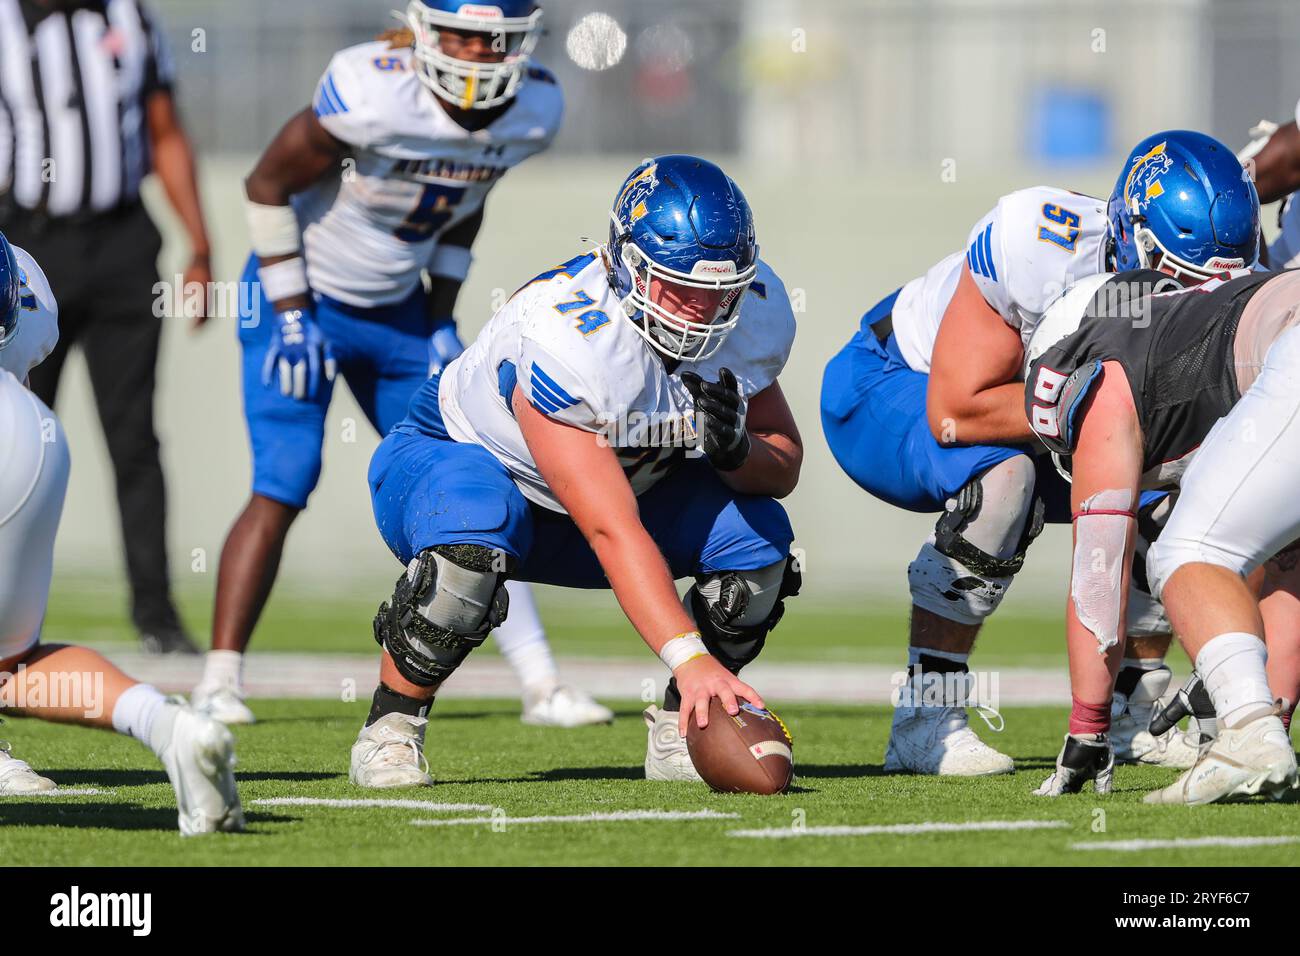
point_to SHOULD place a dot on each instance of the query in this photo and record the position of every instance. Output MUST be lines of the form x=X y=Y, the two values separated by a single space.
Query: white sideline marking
x=1182 y=843
x=65 y=792
x=350 y=804
x=901 y=829
x=612 y=817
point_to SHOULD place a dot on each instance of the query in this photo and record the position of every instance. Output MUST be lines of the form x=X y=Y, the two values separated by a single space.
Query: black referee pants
x=102 y=271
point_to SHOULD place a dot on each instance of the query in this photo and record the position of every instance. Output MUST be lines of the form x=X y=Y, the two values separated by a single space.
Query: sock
x=522 y=641
x=224 y=669
x=1232 y=668
x=388 y=701
x=135 y=711
x=1142 y=663
x=914 y=655
x=1088 y=718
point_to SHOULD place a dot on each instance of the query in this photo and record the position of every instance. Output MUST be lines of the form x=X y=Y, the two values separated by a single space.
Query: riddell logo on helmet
x=703 y=268
x=480 y=12
x=1220 y=264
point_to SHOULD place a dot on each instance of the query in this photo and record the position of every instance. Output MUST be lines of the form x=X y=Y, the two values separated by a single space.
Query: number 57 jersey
x=412 y=172
x=1025 y=252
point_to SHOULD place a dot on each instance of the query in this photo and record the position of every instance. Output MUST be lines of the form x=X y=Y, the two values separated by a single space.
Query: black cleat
x=1084 y=757
x=170 y=640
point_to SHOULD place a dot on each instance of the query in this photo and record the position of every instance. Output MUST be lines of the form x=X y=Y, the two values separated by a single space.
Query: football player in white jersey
x=618 y=423
x=923 y=410
x=61 y=682
x=379 y=182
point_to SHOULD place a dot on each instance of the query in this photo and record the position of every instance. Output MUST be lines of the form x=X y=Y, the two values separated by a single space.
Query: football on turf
x=747 y=753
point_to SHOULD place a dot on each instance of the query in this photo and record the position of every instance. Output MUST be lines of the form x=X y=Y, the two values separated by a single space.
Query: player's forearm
x=772 y=468
x=642 y=584
x=1277 y=166
x=174 y=163
x=994 y=416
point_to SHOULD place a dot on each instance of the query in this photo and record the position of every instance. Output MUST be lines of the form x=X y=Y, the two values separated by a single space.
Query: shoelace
x=388 y=752
x=954 y=715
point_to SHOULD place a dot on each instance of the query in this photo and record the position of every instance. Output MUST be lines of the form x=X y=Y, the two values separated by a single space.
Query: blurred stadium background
x=868 y=135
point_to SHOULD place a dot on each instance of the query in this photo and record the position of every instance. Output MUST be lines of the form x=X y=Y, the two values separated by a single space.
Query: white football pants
x=1240 y=498
x=34 y=466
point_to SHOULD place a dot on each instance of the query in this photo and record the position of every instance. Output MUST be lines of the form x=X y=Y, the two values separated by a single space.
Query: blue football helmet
x=11 y=292
x=513 y=28
x=682 y=221
x=1184 y=204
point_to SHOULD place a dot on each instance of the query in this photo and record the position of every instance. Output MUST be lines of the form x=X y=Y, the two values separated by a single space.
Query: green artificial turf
x=480 y=754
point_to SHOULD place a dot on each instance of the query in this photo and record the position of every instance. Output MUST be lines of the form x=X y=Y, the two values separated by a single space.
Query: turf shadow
x=48 y=811
x=839 y=770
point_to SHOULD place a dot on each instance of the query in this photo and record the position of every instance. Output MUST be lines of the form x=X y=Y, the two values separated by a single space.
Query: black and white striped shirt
x=74 y=78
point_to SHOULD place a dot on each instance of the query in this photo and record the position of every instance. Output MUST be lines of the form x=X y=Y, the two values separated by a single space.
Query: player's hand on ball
x=444 y=345
x=703 y=678
x=720 y=419
x=298 y=356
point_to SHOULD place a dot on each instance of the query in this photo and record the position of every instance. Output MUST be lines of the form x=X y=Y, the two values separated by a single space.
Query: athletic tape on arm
x=1097 y=579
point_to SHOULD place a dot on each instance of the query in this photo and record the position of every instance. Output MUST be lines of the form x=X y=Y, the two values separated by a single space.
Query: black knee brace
x=734 y=645
x=425 y=653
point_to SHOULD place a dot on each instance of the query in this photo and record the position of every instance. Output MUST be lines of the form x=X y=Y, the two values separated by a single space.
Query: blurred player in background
x=555 y=451
x=380 y=183
x=59 y=682
x=923 y=409
x=1135 y=383
x=1274 y=160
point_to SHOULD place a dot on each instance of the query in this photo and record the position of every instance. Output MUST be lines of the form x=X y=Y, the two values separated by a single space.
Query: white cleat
x=1084 y=757
x=17 y=778
x=222 y=703
x=198 y=754
x=1242 y=762
x=390 y=753
x=1131 y=717
x=666 y=756
x=939 y=741
x=564 y=707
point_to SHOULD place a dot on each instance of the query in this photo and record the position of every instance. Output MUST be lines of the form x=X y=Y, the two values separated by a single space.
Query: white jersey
x=564 y=340
x=1284 y=252
x=369 y=232
x=1033 y=245
x=38 y=321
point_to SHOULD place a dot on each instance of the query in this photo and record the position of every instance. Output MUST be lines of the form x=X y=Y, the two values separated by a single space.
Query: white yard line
x=64 y=792
x=617 y=816
x=1182 y=843
x=326 y=676
x=900 y=829
x=363 y=803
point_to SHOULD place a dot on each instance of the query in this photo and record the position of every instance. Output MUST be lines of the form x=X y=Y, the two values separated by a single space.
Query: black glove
x=719 y=419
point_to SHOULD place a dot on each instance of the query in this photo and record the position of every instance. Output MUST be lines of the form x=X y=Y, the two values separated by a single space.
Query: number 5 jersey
x=412 y=172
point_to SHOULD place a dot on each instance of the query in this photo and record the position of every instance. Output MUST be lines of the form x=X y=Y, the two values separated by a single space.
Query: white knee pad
x=34 y=465
x=964 y=569
x=1146 y=615
x=944 y=586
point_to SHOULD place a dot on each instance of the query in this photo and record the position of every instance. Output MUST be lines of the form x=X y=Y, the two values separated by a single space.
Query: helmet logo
x=1145 y=173
x=637 y=190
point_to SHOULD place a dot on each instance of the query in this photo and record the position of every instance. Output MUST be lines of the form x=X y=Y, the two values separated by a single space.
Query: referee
x=86 y=111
